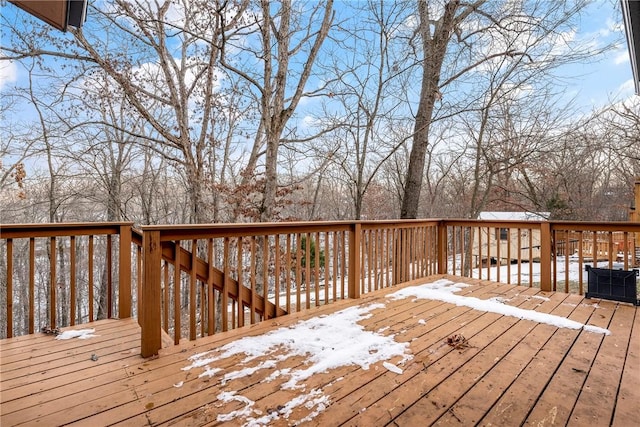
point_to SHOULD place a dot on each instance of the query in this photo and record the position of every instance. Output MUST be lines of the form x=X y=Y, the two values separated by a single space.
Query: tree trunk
x=434 y=48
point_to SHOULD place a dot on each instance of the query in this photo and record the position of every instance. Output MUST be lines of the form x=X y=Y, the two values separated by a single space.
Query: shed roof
x=516 y=216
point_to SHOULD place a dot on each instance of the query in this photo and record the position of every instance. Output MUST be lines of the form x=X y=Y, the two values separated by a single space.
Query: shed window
x=502 y=233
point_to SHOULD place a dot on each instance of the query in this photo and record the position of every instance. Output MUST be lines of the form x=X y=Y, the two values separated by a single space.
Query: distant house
x=499 y=244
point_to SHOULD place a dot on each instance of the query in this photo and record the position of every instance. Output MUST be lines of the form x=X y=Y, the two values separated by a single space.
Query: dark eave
x=61 y=14
x=631 y=17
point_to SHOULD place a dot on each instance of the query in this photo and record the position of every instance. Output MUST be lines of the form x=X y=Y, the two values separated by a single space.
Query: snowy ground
x=576 y=273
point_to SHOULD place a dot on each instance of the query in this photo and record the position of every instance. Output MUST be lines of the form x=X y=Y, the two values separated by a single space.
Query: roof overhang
x=59 y=13
x=631 y=17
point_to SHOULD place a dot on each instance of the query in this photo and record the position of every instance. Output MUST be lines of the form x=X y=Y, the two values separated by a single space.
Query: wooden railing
x=549 y=255
x=52 y=273
x=610 y=245
x=207 y=278
x=197 y=280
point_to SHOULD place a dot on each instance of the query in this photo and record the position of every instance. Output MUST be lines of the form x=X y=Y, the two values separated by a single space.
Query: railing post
x=442 y=247
x=124 y=273
x=546 y=249
x=354 y=260
x=151 y=295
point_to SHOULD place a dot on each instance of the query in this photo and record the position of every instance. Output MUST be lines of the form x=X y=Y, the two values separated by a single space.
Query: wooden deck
x=510 y=372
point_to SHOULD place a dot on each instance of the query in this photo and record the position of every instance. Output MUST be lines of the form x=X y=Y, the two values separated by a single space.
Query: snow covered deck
x=487 y=354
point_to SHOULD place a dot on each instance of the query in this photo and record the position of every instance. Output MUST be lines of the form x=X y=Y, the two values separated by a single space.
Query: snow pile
x=326 y=342
x=82 y=334
x=444 y=290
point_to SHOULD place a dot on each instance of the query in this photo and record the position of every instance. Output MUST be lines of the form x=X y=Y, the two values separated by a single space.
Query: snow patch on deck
x=82 y=334
x=444 y=290
x=325 y=342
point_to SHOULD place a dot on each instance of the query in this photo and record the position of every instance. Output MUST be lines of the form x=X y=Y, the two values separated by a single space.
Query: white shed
x=508 y=244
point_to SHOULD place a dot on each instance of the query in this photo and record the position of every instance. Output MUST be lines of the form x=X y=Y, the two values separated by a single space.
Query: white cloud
x=613 y=25
x=8 y=73
x=621 y=58
x=627 y=87
x=309 y=121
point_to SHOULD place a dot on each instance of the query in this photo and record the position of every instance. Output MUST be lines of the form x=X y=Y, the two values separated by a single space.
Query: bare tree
x=458 y=39
x=362 y=105
x=433 y=48
x=161 y=56
x=285 y=53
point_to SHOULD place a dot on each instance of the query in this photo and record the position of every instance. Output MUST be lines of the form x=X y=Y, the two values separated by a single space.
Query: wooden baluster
x=252 y=278
x=580 y=262
x=316 y=266
x=192 y=291
x=566 y=260
x=326 y=267
x=166 y=296
x=265 y=276
x=336 y=269
x=510 y=249
x=307 y=269
x=288 y=273
x=298 y=270
x=211 y=321
x=53 y=281
x=177 y=285
x=240 y=306
x=90 y=277
x=72 y=280
x=355 y=247
x=32 y=282
x=225 y=287
x=9 y=288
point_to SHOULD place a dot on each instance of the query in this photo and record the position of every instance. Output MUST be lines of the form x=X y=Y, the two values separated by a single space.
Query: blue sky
x=606 y=79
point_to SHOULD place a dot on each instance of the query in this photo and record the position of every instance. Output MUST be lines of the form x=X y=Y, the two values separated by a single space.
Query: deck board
x=513 y=372
x=454 y=373
x=627 y=403
x=561 y=394
x=486 y=388
x=599 y=393
x=517 y=401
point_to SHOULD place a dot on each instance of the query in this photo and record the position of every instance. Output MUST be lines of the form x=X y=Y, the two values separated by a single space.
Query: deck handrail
x=345 y=260
x=545 y=242
x=48 y=239
x=184 y=274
